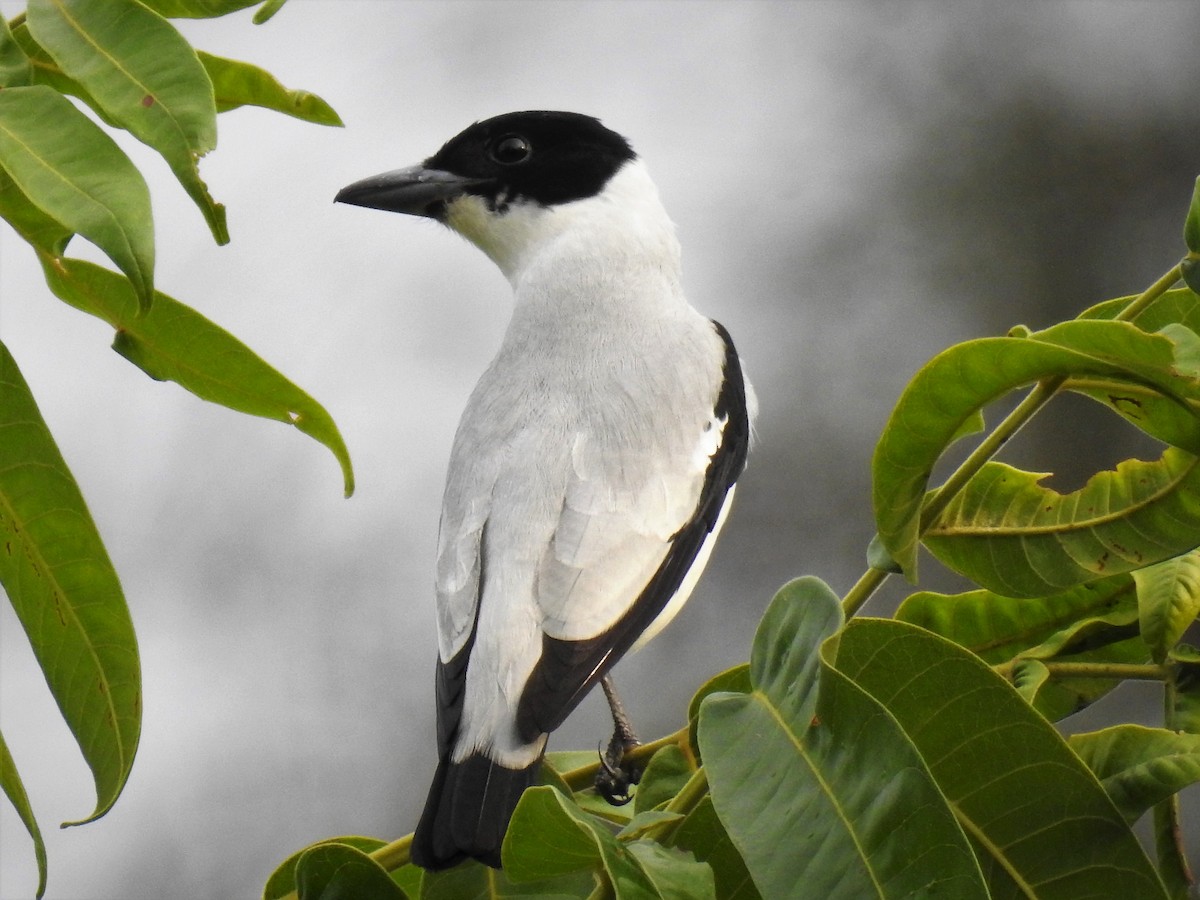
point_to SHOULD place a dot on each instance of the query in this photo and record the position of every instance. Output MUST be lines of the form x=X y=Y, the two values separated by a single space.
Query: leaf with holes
x=1161 y=417
x=954 y=385
x=174 y=342
x=1010 y=534
x=144 y=75
x=65 y=592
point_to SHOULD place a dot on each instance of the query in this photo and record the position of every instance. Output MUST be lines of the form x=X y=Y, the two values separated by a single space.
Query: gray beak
x=415 y=191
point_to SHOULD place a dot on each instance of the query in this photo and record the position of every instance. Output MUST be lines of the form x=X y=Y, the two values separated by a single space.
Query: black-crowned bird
x=593 y=466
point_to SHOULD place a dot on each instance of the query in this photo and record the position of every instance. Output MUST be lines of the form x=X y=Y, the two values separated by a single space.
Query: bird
x=592 y=468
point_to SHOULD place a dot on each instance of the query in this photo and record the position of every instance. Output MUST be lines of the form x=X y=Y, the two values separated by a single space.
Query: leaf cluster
x=72 y=72
x=917 y=756
x=850 y=757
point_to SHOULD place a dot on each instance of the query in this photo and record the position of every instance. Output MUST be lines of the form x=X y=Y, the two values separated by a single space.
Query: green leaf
x=674 y=873
x=1029 y=676
x=666 y=773
x=879 y=558
x=37 y=228
x=267 y=10
x=14 y=64
x=1030 y=804
x=548 y=836
x=241 y=84
x=197 y=9
x=703 y=834
x=1191 y=225
x=1011 y=535
x=174 y=342
x=550 y=776
x=1140 y=766
x=283 y=880
x=1175 y=306
x=11 y=784
x=814 y=765
x=1190 y=270
x=144 y=75
x=73 y=172
x=473 y=881
x=1161 y=417
x=409 y=877
x=735 y=680
x=1168 y=841
x=1096 y=622
x=46 y=71
x=1166 y=409
x=651 y=823
x=570 y=770
x=1164 y=418
x=65 y=592
x=1168 y=601
x=573 y=773
x=958 y=382
x=334 y=871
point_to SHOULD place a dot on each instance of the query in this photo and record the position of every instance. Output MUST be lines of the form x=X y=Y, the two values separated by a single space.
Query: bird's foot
x=618 y=774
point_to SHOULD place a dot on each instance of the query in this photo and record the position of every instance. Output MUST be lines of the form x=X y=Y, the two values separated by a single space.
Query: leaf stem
x=1041 y=393
x=1168 y=829
x=1114 y=671
x=394 y=855
x=1139 y=303
x=867 y=584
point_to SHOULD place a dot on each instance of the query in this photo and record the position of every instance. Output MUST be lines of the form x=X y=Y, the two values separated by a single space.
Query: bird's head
x=501 y=182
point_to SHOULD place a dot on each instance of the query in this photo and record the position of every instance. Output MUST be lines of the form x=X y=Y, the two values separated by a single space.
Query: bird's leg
x=616 y=775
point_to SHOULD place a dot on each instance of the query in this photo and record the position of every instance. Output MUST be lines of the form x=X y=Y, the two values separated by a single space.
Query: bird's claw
x=617 y=774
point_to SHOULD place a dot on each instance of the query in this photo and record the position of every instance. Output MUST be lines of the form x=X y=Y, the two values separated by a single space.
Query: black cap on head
x=547 y=157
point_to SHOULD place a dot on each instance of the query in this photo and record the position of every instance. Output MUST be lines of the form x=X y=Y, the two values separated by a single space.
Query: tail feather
x=467 y=812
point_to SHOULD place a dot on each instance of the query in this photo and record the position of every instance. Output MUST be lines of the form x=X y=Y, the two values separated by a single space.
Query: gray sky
x=845 y=209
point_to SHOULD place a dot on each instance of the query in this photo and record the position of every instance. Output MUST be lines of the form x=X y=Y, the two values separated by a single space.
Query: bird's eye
x=511 y=149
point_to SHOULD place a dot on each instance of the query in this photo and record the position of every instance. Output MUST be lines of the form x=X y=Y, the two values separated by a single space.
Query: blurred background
x=856 y=186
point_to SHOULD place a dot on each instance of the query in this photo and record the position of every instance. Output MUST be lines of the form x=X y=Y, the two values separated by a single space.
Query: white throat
x=624 y=222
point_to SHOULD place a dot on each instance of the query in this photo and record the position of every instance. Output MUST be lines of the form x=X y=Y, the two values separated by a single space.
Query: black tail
x=468 y=810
